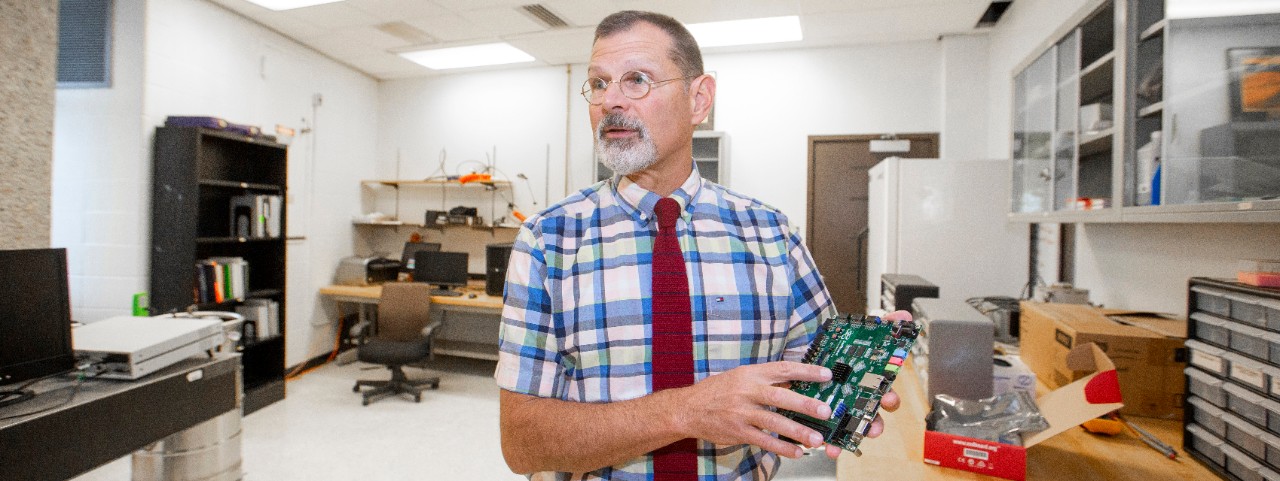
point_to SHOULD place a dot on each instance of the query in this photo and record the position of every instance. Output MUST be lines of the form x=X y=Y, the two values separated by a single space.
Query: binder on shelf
x=256 y=216
x=261 y=314
x=212 y=123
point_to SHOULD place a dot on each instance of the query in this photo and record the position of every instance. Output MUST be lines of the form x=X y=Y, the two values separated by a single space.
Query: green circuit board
x=864 y=354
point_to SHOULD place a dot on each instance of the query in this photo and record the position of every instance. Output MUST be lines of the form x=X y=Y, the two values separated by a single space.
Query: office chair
x=403 y=337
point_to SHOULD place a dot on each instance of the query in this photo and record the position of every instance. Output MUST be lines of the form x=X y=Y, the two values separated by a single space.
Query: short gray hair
x=684 y=50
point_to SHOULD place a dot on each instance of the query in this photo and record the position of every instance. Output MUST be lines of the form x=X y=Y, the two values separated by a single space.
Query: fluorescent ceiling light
x=469 y=56
x=747 y=32
x=290 y=4
x=1220 y=8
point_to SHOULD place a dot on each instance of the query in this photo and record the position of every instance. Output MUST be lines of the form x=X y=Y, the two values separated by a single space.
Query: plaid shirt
x=575 y=325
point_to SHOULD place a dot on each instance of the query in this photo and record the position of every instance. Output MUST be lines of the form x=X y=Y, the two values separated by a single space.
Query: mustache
x=617 y=120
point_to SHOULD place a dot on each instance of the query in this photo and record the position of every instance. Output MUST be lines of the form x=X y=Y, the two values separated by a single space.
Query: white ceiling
x=367 y=34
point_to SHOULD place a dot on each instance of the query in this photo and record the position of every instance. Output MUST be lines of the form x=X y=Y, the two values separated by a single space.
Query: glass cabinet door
x=1033 y=135
x=1221 y=127
x=1065 y=122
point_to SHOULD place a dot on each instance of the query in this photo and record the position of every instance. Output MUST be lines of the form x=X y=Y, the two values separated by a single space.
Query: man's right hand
x=733 y=407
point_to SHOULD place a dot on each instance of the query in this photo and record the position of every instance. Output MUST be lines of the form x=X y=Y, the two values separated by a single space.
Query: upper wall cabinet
x=1127 y=115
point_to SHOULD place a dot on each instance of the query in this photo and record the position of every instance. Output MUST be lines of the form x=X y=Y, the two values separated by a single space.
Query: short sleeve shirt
x=575 y=324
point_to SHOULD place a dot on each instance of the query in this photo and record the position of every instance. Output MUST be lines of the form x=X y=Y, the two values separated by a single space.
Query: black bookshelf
x=196 y=173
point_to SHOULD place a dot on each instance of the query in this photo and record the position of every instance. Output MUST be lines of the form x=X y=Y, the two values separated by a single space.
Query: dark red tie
x=672 y=338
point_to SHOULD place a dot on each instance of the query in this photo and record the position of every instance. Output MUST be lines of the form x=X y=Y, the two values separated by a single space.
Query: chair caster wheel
x=417 y=398
x=355 y=388
x=365 y=402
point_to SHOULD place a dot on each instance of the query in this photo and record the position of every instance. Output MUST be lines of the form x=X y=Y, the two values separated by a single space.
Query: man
x=586 y=387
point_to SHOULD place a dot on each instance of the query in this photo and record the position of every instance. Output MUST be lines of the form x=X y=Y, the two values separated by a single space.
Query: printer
x=128 y=347
x=363 y=271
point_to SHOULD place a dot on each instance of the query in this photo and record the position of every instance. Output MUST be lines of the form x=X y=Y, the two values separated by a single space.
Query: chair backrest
x=403 y=310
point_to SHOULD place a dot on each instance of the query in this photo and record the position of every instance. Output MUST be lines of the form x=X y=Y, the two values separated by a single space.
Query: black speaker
x=495 y=272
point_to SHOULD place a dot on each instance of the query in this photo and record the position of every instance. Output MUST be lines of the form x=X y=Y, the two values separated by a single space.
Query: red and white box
x=1064 y=408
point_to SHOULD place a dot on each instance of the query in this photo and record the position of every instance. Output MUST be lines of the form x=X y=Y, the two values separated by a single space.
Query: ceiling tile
x=397 y=10
x=558 y=47
x=333 y=15
x=447 y=27
x=502 y=21
x=358 y=38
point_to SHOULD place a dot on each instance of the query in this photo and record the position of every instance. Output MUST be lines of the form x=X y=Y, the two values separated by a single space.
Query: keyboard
x=446 y=292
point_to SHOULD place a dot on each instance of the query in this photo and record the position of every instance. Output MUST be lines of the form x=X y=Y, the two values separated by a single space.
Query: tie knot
x=668 y=210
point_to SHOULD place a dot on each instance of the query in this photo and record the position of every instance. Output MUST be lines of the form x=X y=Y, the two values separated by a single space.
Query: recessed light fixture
x=1220 y=8
x=289 y=4
x=469 y=56
x=747 y=32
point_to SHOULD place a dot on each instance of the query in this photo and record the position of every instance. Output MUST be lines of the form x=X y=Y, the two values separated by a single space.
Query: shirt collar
x=643 y=201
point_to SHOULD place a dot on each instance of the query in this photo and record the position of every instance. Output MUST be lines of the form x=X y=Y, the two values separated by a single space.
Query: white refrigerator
x=946 y=221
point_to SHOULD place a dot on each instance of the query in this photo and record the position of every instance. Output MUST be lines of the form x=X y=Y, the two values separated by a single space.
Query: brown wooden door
x=837 y=208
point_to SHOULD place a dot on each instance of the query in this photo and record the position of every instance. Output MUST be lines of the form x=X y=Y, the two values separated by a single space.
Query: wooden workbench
x=470 y=321
x=1073 y=455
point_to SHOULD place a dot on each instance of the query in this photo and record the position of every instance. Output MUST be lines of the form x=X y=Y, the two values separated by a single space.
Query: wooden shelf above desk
x=1073 y=455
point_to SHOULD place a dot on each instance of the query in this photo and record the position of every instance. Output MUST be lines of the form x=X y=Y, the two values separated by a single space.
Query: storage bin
x=1241 y=465
x=1245 y=308
x=1272 y=443
x=1246 y=436
x=1211 y=300
x=1272 y=309
x=1208 y=416
x=1248 y=372
x=1210 y=328
x=1207 y=444
x=1209 y=358
x=1269 y=474
x=1245 y=404
x=1206 y=387
x=1273 y=346
x=1249 y=340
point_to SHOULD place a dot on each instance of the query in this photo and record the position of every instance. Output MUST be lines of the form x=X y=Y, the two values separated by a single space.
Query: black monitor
x=407 y=258
x=443 y=269
x=35 y=315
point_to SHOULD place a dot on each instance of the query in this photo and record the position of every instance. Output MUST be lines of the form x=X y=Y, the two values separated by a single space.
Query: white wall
x=189 y=57
x=1132 y=266
x=769 y=103
x=205 y=60
x=102 y=179
x=964 y=97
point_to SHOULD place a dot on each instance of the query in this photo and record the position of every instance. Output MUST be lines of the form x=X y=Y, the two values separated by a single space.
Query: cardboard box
x=1147 y=349
x=1064 y=408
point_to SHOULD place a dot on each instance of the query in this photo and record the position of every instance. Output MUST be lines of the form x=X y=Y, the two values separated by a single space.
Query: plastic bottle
x=1148 y=157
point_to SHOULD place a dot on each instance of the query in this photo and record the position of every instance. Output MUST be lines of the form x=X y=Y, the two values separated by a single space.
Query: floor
x=320 y=431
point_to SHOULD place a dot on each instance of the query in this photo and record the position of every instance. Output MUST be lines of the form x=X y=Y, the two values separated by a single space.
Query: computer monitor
x=442 y=269
x=407 y=258
x=35 y=315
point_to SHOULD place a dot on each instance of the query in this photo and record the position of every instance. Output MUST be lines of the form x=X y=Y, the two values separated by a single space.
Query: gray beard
x=625 y=156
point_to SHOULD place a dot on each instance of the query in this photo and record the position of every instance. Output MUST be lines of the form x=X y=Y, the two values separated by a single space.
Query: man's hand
x=733 y=407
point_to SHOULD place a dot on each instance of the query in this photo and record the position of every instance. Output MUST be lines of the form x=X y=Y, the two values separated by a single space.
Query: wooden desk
x=1072 y=455
x=469 y=324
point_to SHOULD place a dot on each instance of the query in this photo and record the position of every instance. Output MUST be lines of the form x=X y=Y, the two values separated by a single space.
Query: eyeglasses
x=635 y=85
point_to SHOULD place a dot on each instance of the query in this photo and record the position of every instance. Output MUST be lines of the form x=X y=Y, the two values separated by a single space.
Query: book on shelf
x=221 y=279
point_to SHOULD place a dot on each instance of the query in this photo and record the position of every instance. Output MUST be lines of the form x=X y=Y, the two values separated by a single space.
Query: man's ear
x=702 y=97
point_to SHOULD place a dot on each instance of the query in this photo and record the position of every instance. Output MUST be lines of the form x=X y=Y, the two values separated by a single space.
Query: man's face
x=635 y=134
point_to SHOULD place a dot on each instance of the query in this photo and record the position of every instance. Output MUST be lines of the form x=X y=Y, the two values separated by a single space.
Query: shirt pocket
x=747 y=297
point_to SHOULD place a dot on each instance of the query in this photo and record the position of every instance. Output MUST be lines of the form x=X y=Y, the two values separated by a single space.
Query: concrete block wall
x=28 y=76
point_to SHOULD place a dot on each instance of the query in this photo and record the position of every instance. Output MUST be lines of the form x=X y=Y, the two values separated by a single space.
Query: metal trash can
x=209 y=451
